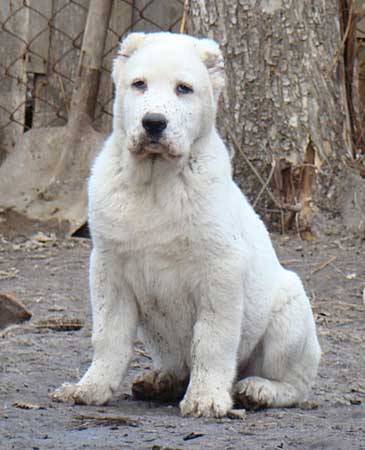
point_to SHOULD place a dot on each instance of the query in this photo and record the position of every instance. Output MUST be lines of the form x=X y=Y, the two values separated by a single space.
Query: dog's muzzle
x=152 y=141
x=154 y=124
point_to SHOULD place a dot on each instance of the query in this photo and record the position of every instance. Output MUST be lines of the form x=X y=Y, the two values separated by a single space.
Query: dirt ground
x=50 y=278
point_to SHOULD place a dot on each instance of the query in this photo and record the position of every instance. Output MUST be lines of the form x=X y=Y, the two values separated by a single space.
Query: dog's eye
x=140 y=85
x=183 y=88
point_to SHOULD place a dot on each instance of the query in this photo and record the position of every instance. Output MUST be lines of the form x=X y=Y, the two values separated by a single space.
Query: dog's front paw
x=82 y=394
x=206 y=403
x=254 y=393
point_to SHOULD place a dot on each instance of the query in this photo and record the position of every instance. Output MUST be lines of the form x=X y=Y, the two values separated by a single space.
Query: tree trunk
x=285 y=106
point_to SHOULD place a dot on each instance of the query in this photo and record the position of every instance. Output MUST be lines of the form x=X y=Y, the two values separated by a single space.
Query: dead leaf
x=42 y=237
x=350 y=276
x=25 y=405
x=358 y=388
x=6 y=274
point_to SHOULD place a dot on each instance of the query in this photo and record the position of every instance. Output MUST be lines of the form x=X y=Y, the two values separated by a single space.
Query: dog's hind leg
x=284 y=365
x=170 y=377
x=159 y=386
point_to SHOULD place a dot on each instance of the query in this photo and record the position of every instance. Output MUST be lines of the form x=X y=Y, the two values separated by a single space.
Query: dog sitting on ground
x=179 y=254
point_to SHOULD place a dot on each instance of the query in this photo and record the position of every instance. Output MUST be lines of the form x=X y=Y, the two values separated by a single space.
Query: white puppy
x=180 y=254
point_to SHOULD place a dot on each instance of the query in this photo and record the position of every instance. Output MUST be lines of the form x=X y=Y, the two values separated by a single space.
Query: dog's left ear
x=212 y=57
x=127 y=47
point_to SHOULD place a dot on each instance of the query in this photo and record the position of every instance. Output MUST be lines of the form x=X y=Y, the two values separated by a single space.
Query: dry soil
x=50 y=278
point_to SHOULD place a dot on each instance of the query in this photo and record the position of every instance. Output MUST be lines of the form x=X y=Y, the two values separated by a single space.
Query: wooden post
x=88 y=77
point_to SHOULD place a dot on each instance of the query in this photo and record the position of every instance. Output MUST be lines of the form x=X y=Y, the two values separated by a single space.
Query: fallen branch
x=60 y=324
x=107 y=420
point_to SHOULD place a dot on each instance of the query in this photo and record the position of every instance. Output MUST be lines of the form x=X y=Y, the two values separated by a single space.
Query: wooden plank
x=13 y=17
x=38 y=36
x=120 y=24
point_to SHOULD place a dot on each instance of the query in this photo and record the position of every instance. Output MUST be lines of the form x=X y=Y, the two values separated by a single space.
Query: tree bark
x=285 y=106
x=354 y=54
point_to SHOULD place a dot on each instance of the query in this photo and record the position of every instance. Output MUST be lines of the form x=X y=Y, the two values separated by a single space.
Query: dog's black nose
x=154 y=123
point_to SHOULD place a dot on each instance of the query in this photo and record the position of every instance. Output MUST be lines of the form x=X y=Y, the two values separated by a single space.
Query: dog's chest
x=159 y=250
x=161 y=272
x=160 y=219
x=156 y=235
x=165 y=291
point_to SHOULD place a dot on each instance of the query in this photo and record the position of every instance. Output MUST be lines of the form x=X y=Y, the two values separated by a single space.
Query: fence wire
x=40 y=48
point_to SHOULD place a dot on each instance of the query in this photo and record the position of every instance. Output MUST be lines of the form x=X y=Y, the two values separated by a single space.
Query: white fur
x=181 y=255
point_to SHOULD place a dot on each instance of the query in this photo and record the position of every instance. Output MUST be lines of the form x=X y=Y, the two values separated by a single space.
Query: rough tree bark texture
x=285 y=105
x=354 y=53
x=353 y=200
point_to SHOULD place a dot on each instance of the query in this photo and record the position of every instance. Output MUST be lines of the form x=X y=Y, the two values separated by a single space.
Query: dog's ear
x=127 y=47
x=212 y=57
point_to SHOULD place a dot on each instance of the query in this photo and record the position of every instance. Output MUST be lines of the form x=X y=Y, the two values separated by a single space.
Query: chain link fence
x=39 y=55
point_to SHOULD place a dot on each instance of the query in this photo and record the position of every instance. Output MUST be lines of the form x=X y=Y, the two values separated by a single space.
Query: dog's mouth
x=152 y=148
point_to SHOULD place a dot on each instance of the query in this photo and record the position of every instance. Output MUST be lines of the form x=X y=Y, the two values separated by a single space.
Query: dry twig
x=142 y=353
x=295 y=208
x=324 y=264
x=266 y=184
x=184 y=17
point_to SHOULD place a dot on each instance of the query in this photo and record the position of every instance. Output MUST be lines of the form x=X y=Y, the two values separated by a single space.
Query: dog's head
x=167 y=88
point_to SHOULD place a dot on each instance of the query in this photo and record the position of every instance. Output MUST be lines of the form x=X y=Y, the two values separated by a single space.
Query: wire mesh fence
x=40 y=48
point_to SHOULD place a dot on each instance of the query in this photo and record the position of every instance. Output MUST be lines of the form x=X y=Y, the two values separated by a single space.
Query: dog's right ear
x=127 y=47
